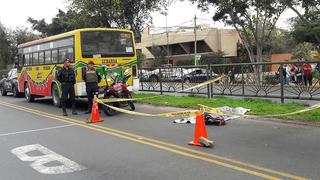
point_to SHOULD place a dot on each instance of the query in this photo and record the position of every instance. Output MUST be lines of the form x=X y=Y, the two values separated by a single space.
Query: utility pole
x=195 y=39
x=168 y=55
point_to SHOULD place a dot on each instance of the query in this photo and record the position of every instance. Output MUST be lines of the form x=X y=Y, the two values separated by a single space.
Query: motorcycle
x=117 y=89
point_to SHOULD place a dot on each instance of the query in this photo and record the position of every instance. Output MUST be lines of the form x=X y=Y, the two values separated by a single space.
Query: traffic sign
x=197 y=57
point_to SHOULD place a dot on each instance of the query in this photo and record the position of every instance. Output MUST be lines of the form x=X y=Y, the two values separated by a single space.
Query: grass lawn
x=257 y=106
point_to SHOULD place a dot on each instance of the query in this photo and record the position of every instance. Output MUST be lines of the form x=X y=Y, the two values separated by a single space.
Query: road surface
x=38 y=143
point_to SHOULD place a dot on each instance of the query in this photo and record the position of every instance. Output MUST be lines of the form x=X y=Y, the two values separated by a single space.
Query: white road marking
x=35 y=130
x=47 y=156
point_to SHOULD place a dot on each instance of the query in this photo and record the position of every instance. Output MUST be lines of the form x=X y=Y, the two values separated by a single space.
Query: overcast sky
x=14 y=13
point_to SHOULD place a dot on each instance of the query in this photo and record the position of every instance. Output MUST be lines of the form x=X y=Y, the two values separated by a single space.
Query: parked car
x=165 y=74
x=149 y=75
x=9 y=83
x=197 y=75
x=193 y=75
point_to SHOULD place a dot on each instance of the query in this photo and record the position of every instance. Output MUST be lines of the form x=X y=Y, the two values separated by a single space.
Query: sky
x=14 y=13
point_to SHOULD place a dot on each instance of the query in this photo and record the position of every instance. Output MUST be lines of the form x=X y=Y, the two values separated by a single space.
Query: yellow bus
x=112 y=50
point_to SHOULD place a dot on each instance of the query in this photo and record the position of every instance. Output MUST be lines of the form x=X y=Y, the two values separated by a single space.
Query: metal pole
x=195 y=39
x=281 y=82
x=182 y=78
x=208 y=86
x=160 y=79
x=242 y=80
x=211 y=85
x=168 y=55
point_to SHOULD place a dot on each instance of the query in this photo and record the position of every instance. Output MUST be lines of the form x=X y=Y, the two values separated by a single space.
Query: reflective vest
x=91 y=76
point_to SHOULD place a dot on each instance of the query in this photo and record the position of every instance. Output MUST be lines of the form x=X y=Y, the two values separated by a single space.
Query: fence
x=284 y=80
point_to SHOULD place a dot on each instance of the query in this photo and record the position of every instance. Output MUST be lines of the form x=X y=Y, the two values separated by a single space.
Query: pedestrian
x=67 y=78
x=318 y=69
x=293 y=73
x=91 y=78
x=307 y=74
x=231 y=75
x=299 y=73
x=285 y=73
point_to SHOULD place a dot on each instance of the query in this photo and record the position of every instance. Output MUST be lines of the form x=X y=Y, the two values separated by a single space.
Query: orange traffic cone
x=199 y=131
x=95 y=116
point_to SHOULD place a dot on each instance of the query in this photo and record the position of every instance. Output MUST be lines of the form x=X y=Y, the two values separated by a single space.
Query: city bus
x=40 y=60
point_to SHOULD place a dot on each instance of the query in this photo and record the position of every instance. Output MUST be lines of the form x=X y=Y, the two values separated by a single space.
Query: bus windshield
x=96 y=44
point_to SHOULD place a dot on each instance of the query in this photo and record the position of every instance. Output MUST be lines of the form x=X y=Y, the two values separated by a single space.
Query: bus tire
x=55 y=96
x=28 y=95
x=15 y=91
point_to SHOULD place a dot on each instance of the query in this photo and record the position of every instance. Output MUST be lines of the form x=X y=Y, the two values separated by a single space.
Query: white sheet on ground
x=230 y=110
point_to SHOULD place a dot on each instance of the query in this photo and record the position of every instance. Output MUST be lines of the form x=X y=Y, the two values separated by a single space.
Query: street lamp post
x=195 y=40
x=168 y=55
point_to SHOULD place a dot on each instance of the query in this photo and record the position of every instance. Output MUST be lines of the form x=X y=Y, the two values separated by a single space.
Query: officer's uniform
x=91 y=78
x=67 y=79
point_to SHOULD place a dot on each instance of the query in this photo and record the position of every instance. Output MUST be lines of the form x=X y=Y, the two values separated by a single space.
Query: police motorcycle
x=117 y=89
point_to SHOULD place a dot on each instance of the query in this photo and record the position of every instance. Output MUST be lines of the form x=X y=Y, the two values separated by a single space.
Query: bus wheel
x=55 y=96
x=28 y=95
x=15 y=91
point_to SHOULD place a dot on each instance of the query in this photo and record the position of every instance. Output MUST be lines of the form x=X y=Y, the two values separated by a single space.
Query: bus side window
x=47 y=55
x=70 y=54
x=20 y=63
x=54 y=56
x=26 y=59
x=62 y=54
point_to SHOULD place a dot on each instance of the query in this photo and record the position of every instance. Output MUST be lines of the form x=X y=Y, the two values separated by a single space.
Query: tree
x=307 y=25
x=281 y=41
x=302 y=50
x=254 y=20
x=5 y=47
x=22 y=35
x=303 y=33
x=130 y=14
x=62 y=22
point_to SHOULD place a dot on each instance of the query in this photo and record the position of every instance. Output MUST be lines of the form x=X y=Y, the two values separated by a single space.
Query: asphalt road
x=38 y=143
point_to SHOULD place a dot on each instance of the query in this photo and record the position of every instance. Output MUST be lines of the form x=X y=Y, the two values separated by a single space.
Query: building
x=179 y=45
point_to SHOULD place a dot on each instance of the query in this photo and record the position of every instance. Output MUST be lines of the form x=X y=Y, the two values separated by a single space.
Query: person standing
x=67 y=78
x=91 y=78
x=307 y=74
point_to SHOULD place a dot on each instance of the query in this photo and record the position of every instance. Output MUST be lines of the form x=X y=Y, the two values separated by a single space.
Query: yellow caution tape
x=187 y=113
x=123 y=99
x=203 y=108
x=203 y=84
x=208 y=109
x=316 y=106
x=136 y=99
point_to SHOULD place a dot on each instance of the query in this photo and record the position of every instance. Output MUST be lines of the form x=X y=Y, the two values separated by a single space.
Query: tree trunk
x=258 y=68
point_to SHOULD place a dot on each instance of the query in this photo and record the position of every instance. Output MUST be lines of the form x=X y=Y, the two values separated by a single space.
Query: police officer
x=67 y=78
x=91 y=78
